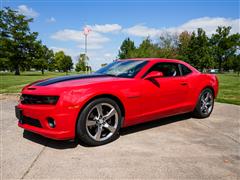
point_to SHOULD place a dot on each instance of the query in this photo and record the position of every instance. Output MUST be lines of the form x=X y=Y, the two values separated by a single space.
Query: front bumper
x=34 y=118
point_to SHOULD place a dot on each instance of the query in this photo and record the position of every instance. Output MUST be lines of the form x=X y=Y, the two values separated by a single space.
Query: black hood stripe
x=67 y=78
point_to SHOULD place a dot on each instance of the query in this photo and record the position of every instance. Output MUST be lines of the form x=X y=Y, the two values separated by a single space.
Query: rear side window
x=168 y=69
x=185 y=70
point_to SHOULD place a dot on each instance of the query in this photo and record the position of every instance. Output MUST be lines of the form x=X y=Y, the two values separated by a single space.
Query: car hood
x=60 y=84
x=74 y=81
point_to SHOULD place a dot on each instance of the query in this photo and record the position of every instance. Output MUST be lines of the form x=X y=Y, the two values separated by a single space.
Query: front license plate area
x=19 y=114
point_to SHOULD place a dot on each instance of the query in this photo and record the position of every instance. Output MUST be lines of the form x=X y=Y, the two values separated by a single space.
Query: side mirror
x=153 y=75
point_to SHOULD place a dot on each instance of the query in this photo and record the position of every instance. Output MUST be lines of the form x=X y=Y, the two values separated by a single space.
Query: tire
x=205 y=104
x=99 y=122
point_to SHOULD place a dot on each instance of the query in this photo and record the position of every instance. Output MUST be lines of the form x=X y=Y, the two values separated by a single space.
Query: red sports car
x=126 y=92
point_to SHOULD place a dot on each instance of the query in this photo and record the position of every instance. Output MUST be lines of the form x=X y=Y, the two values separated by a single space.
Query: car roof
x=154 y=59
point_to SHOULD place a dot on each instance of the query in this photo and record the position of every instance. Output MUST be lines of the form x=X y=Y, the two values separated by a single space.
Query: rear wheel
x=99 y=122
x=205 y=104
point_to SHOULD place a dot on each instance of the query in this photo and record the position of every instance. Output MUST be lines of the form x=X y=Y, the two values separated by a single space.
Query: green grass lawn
x=229 y=88
x=229 y=84
x=10 y=83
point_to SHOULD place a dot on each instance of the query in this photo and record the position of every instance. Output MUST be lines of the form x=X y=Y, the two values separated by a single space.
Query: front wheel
x=99 y=122
x=205 y=104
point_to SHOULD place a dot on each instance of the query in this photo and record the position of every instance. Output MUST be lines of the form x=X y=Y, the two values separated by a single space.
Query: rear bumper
x=64 y=117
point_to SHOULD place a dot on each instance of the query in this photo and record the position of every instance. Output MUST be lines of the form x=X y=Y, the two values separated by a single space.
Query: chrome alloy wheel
x=206 y=102
x=102 y=121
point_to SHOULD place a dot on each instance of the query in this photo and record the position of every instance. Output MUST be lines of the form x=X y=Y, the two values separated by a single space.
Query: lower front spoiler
x=57 y=135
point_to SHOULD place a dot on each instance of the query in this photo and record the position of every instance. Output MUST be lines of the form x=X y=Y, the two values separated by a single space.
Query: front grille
x=31 y=122
x=36 y=99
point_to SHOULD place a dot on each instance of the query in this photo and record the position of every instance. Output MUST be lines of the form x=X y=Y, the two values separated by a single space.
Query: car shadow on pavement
x=68 y=144
x=154 y=123
x=64 y=144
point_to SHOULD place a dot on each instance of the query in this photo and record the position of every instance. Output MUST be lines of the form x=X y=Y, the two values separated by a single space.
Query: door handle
x=184 y=83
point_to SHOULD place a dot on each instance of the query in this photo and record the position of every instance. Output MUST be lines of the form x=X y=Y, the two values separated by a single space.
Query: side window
x=185 y=70
x=168 y=69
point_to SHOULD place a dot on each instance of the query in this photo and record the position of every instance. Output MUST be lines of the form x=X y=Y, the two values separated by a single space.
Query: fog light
x=51 y=122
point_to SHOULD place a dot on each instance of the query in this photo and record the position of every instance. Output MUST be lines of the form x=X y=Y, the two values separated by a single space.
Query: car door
x=167 y=95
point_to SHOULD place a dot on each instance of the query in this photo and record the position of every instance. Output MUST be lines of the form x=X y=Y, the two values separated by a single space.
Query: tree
x=82 y=63
x=4 y=64
x=16 y=40
x=43 y=57
x=64 y=62
x=224 y=44
x=233 y=63
x=146 y=49
x=183 y=46
x=236 y=64
x=67 y=65
x=126 y=49
x=168 y=46
x=200 y=54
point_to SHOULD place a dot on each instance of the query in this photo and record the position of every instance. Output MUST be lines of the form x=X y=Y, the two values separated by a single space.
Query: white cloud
x=210 y=24
x=77 y=36
x=142 y=31
x=207 y=23
x=105 y=28
x=107 y=55
x=27 y=11
x=95 y=40
x=51 y=20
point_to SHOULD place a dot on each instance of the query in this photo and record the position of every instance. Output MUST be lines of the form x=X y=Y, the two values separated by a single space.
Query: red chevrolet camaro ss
x=94 y=107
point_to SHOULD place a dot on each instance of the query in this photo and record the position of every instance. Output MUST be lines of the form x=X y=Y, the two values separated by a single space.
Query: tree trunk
x=17 y=71
x=42 y=71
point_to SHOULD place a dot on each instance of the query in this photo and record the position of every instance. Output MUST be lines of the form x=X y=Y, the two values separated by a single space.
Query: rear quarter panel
x=198 y=82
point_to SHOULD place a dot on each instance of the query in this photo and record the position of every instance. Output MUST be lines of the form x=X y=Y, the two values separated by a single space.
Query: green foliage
x=168 y=46
x=233 y=63
x=16 y=40
x=42 y=58
x=146 y=49
x=126 y=49
x=199 y=50
x=64 y=63
x=183 y=46
x=224 y=45
x=19 y=47
x=196 y=48
x=82 y=63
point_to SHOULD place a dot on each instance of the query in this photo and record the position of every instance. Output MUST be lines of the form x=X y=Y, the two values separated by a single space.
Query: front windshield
x=123 y=68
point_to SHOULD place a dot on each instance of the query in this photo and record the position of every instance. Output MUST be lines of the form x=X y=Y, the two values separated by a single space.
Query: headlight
x=36 y=99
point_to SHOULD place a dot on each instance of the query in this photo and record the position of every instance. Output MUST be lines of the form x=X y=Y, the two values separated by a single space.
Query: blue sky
x=60 y=23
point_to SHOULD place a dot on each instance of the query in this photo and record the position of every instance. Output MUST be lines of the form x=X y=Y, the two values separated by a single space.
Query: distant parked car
x=126 y=92
x=214 y=71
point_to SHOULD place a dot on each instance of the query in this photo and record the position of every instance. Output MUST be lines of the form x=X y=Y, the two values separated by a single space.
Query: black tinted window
x=185 y=70
x=168 y=69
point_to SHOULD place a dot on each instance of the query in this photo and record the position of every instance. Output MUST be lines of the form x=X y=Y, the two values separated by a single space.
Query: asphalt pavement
x=179 y=147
